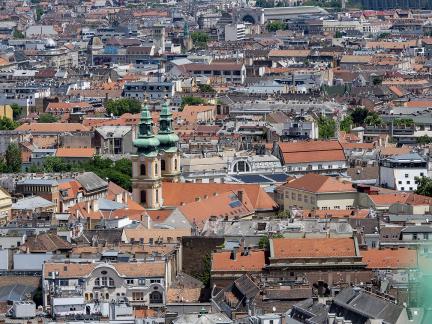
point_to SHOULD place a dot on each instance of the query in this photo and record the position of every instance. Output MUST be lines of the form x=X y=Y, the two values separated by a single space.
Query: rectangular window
x=130 y=281
x=138 y=295
x=406 y=175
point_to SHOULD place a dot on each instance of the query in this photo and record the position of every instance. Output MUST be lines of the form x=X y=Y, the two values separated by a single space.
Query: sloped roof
x=312 y=247
x=75 y=152
x=45 y=243
x=226 y=204
x=317 y=183
x=176 y=193
x=53 y=127
x=311 y=151
x=390 y=259
x=253 y=261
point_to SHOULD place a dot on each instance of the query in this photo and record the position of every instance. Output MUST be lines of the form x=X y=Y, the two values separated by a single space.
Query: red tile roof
x=390 y=259
x=284 y=248
x=176 y=193
x=219 y=206
x=75 y=152
x=311 y=151
x=253 y=261
x=313 y=182
x=53 y=127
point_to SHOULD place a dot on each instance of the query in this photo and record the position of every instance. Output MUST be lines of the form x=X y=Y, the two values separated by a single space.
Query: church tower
x=146 y=166
x=170 y=156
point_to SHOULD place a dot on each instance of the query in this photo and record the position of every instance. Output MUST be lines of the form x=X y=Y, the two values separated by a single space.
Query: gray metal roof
x=417 y=229
x=32 y=203
x=91 y=182
x=113 y=131
x=15 y=292
x=414 y=157
x=51 y=182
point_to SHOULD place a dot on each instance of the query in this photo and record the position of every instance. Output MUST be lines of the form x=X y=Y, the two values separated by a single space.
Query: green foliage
x=13 y=158
x=424 y=186
x=56 y=164
x=383 y=36
x=17 y=34
x=376 y=80
x=422 y=140
x=47 y=118
x=373 y=119
x=192 y=101
x=119 y=172
x=338 y=34
x=199 y=39
x=264 y=242
x=205 y=274
x=346 y=124
x=283 y=214
x=273 y=26
x=206 y=88
x=268 y=4
x=119 y=107
x=403 y=122
x=326 y=127
x=17 y=110
x=7 y=124
x=39 y=13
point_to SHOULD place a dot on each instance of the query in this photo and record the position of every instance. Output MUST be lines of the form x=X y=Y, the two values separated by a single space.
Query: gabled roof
x=317 y=183
x=283 y=248
x=253 y=261
x=53 y=127
x=311 y=151
x=45 y=243
x=64 y=152
x=224 y=205
x=390 y=259
x=176 y=193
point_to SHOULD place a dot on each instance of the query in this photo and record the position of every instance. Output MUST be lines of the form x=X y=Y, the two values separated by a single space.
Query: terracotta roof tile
x=313 y=182
x=253 y=261
x=390 y=259
x=75 y=152
x=53 y=127
x=129 y=269
x=311 y=151
x=176 y=193
x=313 y=247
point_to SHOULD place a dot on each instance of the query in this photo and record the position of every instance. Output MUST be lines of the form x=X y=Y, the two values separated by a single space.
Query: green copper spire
x=167 y=138
x=186 y=30
x=146 y=143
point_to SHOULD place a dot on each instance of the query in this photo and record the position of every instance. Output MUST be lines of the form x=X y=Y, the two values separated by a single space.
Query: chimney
x=125 y=197
x=242 y=246
x=240 y=195
x=234 y=254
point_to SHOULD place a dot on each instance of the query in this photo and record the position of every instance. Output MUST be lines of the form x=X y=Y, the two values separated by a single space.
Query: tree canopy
x=7 y=124
x=199 y=39
x=326 y=127
x=192 y=101
x=17 y=110
x=121 y=106
x=276 y=25
x=47 y=118
x=13 y=158
x=119 y=172
x=424 y=186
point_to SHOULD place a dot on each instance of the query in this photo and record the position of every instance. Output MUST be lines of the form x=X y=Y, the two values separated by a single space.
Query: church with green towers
x=157 y=158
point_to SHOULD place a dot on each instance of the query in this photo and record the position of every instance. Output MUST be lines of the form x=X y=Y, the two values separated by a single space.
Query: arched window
x=157 y=195
x=156 y=169
x=143 y=169
x=97 y=282
x=163 y=165
x=175 y=164
x=156 y=298
x=143 y=197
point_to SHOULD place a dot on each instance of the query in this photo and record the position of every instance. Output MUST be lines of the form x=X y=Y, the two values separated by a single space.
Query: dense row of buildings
x=215 y=162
